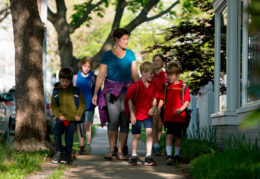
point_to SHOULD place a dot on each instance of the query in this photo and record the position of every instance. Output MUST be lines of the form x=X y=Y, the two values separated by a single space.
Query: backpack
x=182 y=93
x=76 y=93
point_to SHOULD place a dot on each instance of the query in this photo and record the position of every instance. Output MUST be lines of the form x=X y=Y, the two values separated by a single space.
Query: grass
x=58 y=173
x=240 y=159
x=19 y=164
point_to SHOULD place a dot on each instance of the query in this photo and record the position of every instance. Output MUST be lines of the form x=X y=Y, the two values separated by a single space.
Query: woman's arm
x=134 y=71
x=100 y=79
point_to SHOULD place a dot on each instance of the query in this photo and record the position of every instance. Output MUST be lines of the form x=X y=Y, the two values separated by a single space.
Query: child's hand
x=62 y=118
x=133 y=119
x=178 y=111
x=77 y=118
x=150 y=112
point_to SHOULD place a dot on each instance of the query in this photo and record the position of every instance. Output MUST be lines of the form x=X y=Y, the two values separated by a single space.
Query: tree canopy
x=191 y=42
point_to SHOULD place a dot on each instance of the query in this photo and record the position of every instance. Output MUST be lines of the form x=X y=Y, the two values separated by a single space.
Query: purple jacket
x=115 y=88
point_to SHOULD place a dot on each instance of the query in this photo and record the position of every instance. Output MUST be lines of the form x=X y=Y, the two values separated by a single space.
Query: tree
x=28 y=37
x=4 y=12
x=191 y=42
x=83 y=14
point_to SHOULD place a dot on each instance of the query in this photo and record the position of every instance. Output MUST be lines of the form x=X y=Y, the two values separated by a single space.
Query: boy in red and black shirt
x=175 y=103
x=142 y=95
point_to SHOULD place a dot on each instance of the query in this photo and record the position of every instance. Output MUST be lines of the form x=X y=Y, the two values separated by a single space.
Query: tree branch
x=90 y=7
x=4 y=13
x=119 y=13
x=163 y=12
x=142 y=17
x=51 y=16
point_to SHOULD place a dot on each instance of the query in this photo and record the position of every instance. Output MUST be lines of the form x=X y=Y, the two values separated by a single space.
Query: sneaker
x=88 y=149
x=156 y=151
x=56 y=158
x=149 y=161
x=82 y=152
x=169 y=160
x=66 y=160
x=177 y=159
x=125 y=150
x=133 y=160
x=115 y=151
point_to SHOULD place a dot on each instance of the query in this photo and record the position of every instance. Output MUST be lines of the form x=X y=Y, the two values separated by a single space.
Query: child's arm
x=151 y=110
x=182 y=108
x=81 y=109
x=56 y=110
x=131 y=110
x=161 y=102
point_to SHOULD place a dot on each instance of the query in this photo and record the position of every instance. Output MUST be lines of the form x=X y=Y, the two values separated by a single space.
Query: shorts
x=148 y=123
x=89 y=116
x=175 y=128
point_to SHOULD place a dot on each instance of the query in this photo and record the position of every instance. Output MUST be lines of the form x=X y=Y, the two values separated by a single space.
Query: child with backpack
x=85 y=79
x=67 y=104
x=174 y=100
x=142 y=95
x=159 y=80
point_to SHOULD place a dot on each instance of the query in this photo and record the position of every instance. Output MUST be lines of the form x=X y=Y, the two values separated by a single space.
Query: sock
x=156 y=145
x=169 y=150
x=134 y=155
x=81 y=148
x=177 y=151
x=147 y=154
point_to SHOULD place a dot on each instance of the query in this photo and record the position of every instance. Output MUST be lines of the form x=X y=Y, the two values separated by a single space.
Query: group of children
x=153 y=101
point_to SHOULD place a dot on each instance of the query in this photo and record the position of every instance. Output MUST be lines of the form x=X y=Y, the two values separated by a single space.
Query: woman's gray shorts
x=116 y=113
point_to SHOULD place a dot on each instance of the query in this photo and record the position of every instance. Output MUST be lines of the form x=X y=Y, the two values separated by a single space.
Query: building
x=239 y=49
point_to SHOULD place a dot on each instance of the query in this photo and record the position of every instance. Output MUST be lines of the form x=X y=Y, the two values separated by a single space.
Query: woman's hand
x=94 y=99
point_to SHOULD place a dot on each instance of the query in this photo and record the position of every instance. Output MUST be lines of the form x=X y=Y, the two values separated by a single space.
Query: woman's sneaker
x=156 y=151
x=149 y=161
x=133 y=160
x=169 y=160
x=56 y=158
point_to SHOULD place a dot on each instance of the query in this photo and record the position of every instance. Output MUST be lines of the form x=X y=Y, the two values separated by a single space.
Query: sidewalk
x=94 y=166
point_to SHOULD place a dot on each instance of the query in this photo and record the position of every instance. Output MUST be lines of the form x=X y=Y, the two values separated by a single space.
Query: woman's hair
x=146 y=66
x=66 y=73
x=118 y=33
x=173 y=68
x=85 y=60
x=159 y=55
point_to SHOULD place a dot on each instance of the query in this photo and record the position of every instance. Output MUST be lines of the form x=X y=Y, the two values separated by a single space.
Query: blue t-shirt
x=118 y=69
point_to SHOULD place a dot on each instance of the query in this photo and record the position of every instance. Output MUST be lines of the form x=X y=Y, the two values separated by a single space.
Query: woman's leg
x=81 y=138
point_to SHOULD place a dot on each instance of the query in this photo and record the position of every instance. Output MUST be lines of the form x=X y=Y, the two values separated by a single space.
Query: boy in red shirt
x=175 y=103
x=142 y=95
x=159 y=80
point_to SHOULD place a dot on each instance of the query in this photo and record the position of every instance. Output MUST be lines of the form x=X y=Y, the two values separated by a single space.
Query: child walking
x=67 y=104
x=159 y=80
x=85 y=80
x=141 y=95
x=175 y=103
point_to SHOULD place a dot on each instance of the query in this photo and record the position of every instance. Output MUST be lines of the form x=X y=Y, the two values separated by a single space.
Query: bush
x=240 y=159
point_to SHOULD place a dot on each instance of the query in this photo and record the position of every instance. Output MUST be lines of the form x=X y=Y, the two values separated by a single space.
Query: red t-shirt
x=144 y=97
x=173 y=102
x=159 y=80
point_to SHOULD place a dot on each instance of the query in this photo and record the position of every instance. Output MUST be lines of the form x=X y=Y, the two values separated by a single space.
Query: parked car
x=7 y=115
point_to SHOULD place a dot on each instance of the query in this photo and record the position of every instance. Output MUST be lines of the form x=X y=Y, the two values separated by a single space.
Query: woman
x=119 y=67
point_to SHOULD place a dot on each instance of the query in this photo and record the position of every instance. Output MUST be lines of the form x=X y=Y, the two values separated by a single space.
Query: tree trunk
x=28 y=39
x=65 y=47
